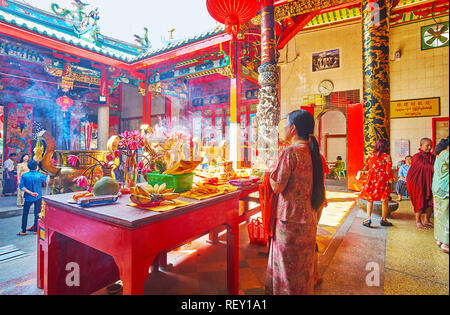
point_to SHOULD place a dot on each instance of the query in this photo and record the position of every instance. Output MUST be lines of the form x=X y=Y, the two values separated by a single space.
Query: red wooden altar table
x=119 y=241
x=244 y=215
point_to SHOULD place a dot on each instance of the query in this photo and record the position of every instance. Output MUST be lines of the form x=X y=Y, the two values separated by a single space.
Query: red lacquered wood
x=134 y=237
x=355 y=143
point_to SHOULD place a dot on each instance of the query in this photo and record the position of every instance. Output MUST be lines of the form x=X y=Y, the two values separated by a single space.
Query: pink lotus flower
x=109 y=157
x=140 y=165
x=82 y=181
x=72 y=160
x=117 y=153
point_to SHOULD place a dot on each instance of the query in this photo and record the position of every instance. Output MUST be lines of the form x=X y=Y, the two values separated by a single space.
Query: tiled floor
x=409 y=260
x=414 y=263
x=200 y=268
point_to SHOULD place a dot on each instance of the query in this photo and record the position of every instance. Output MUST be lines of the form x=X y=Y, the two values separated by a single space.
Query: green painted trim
x=417 y=21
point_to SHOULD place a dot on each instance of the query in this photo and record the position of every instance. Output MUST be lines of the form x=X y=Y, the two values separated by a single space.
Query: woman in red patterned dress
x=298 y=181
x=377 y=185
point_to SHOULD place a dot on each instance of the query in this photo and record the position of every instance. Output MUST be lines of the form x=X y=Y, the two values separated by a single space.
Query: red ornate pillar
x=146 y=103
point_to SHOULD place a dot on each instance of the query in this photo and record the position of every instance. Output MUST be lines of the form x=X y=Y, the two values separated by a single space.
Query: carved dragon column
x=376 y=103
x=268 y=112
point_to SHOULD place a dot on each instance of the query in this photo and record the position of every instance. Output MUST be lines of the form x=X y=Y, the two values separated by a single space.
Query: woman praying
x=298 y=181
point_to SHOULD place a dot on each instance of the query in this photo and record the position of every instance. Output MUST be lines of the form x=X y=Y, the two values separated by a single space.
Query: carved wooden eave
x=298 y=7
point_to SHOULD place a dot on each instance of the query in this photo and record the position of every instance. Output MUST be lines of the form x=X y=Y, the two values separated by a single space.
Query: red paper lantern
x=65 y=102
x=232 y=13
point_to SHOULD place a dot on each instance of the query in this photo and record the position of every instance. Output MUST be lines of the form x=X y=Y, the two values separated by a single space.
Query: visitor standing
x=31 y=183
x=419 y=183
x=377 y=184
x=402 y=174
x=9 y=175
x=298 y=181
x=22 y=168
x=440 y=189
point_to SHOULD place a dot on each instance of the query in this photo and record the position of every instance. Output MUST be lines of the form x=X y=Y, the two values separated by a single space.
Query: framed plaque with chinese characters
x=416 y=108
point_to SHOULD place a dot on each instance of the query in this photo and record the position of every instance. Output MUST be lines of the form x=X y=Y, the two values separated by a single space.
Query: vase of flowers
x=87 y=178
x=129 y=144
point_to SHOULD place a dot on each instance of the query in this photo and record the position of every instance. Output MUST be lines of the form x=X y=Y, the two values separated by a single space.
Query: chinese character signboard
x=416 y=108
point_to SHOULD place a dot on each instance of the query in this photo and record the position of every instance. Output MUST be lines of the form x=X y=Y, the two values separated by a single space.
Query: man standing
x=9 y=175
x=402 y=174
x=31 y=183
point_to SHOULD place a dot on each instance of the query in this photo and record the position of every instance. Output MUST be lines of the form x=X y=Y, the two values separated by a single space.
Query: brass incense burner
x=55 y=163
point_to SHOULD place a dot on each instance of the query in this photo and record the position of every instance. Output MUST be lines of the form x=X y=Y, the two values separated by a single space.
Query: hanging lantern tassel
x=232 y=13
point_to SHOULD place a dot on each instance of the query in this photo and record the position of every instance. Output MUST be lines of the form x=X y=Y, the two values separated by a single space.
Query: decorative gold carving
x=54 y=71
x=155 y=87
x=243 y=29
x=68 y=76
x=226 y=71
x=141 y=91
x=298 y=7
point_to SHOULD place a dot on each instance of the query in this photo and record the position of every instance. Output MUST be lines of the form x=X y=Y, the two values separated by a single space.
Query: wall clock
x=434 y=36
x=326 y=87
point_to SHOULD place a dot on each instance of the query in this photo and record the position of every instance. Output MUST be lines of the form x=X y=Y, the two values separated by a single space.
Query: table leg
x=246 y=205
x=163 y=265
x=134 y=273
x=50 y=268
x=233 y=258
x=214 y=236
x=40 y=259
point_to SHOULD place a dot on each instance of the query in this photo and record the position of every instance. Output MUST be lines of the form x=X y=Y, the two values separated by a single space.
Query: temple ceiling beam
x=300 y=22
x=298 y=7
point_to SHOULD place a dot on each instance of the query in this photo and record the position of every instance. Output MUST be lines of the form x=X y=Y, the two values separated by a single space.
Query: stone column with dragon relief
x=268 y=112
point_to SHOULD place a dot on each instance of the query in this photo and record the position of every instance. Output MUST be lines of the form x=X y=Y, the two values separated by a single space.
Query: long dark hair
x=23 y=157
x=304 y=123
x=382 y=146
x=442 y=145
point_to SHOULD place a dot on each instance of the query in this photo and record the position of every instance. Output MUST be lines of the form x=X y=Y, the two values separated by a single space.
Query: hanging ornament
x=64 y=102
x=232 y=13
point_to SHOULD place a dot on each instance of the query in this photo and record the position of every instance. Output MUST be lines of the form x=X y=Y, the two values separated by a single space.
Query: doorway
x=332 y=136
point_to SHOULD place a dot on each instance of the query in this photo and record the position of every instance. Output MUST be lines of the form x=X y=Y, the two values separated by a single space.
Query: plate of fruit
x=147 y=195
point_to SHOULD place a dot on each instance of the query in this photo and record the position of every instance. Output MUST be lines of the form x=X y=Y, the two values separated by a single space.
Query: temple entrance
x=340 y=132
x=332 y=136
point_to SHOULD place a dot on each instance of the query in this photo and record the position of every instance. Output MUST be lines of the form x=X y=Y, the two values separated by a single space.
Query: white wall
x=334 y=123
x=418 y=74
x=297 y=77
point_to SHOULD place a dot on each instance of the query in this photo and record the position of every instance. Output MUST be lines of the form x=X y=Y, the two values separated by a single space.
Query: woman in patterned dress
x=377 y=185
x=298 y=181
